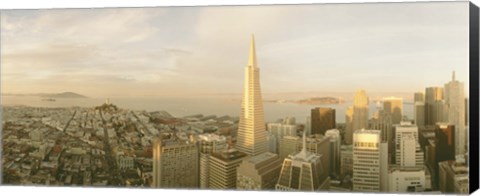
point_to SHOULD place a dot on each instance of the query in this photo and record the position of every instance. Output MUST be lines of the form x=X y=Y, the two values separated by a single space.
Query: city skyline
x=140 y=58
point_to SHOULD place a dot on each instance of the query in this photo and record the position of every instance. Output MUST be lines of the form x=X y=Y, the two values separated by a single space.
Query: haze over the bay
x=179 y=51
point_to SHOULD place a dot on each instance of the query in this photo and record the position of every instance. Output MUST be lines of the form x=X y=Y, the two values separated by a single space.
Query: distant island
x=311 y=101
x=50 y=95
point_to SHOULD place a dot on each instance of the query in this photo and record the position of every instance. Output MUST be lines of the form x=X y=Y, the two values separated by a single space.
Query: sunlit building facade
x=252 y=135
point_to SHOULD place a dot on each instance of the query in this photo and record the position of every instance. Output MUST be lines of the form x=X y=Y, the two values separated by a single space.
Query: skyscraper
x=208 y=143
x=369 y=172
x=223 y=169
x=335 y=146
x=251 y=135
x=433 y=105
x=408 y=152
x=303 y=171
x=455 y=108
x=360 y=111
x=394 y=107
x=322 y=120
x=259 y=172
x=348 y=137
x=175 y=163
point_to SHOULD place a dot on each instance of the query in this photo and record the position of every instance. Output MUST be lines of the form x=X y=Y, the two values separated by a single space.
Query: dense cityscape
x=373 y=151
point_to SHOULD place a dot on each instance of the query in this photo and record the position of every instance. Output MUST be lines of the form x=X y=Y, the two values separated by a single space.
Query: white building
x=455 y=108
x=370 y=161
x=404 y=180
x=408 y=152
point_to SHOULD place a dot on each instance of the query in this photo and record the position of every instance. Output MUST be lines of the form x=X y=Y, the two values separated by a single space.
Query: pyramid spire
x=453 y=76
x=303 y=153
x=252 y=58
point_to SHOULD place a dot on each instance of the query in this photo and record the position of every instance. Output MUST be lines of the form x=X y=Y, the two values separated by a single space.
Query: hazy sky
x=392 y=47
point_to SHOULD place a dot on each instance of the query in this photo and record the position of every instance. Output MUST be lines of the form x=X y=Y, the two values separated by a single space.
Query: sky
x=194 y=51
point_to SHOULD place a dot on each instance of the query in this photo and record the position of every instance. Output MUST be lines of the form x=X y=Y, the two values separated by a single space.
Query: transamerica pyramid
x=251 y=135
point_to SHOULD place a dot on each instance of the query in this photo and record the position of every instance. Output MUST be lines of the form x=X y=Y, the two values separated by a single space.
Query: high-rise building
x=394 y=107
x=322 y=120
x=453 y=177
x=251 y=135
x=346 y=160
x=348 y=137
x=445 y=142
x=287 y=145
x=419 y=113
x=455 y=108
x=223 y=169
x=318 y=144
x=259 y=172
x=208 y=143
x=369 y=172
x=408 y=152
x=383 y=122
x=308 y=125
x=419 y=109
x=276 y=131
x=272 y=143
x=434 y=105
x=360 y=111
x=441 y=148
x=418 y=97
x=175 y=163
x=303 y=172
x=335 y=145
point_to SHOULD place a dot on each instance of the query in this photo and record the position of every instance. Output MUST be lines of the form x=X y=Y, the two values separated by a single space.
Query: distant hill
x=48 y=95
x=62 y=95
x=320 y=100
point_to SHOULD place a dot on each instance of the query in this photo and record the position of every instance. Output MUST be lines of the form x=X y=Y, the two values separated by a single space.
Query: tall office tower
x=308 y=125
x=455 y=108
x=346 y=160
x=440 y=148
x=323 y=119
x=287 y=145
x=175 y=163
x=445 y=142
x=279 y=130
x=419 y=113
x=335 y=145
x=418 y=97
x=223 y=169
x=369 y=171
x=318 y=144
x=259 y=172
x=348 y=137
x=408 y=152
x=272 y=143
x=303 y=172
x=360 y=111
x=433 y=105
x=383 y=122
x=289 y=120
x=208 y=143
x=394 y=107
x=419 y=109
x=453 y=177
x=251 y=135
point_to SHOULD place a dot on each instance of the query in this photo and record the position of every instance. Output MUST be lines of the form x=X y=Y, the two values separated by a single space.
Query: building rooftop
x=229 y=155
x=262 y=157
x=209 y=137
